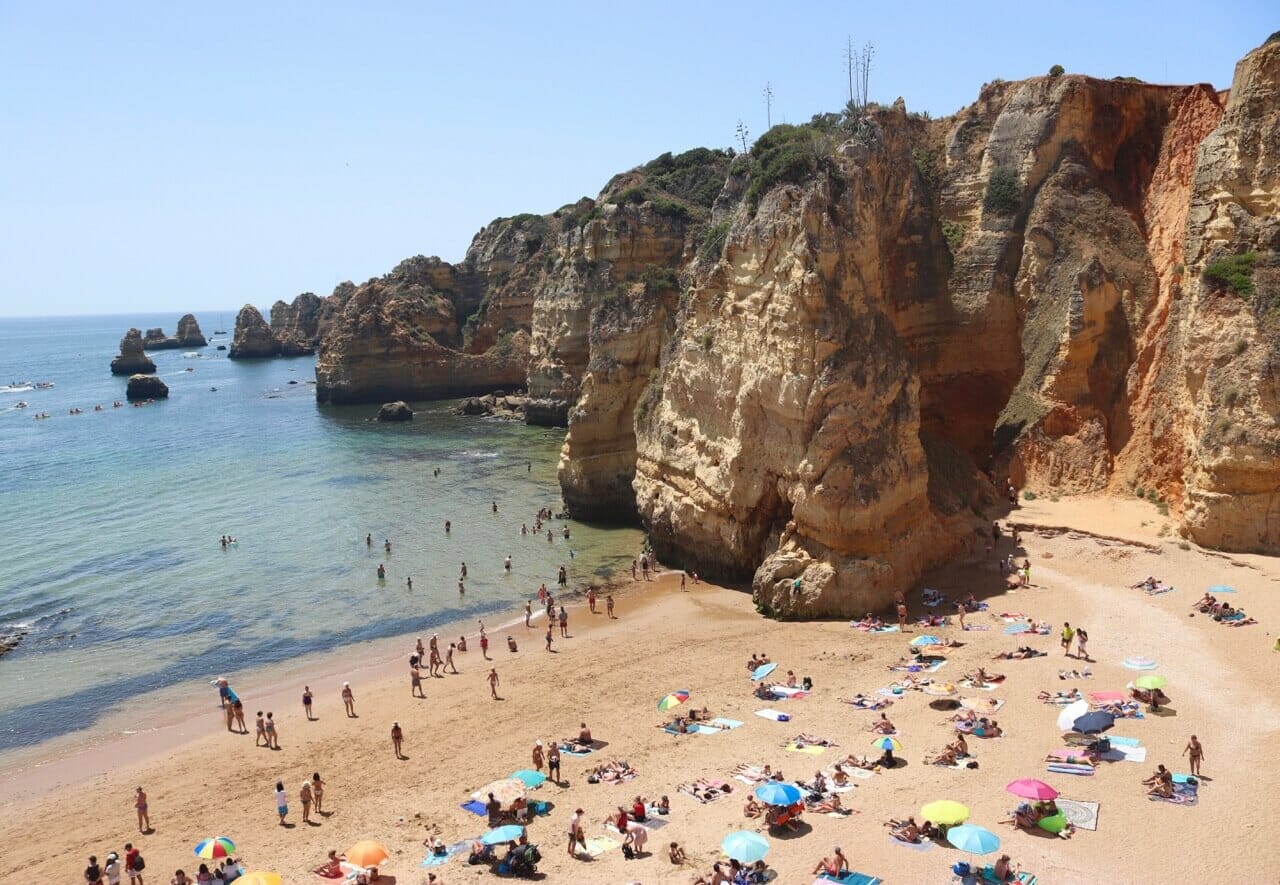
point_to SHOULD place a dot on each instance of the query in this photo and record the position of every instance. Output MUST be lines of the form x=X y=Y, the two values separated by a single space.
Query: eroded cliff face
x=253 y=338
x=796 y=366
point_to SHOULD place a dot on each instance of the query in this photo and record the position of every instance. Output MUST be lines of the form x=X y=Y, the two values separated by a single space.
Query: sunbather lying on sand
x=1059 y=697
x=828 y=805
x=839 y=776
x=704 y=790
x=756 y=773
x=611 y=772
x=1122 y=709
x=852 y=761
x=1205 y=603
x=808 y=740
x=1019 y=654
x=982 y=677
x=862 y=702
x=909 y=831
x=947 y=757
x=868 y=622
x=934 y=621
x=1146 y=584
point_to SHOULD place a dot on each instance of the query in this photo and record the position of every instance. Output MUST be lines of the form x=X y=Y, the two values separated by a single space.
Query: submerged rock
x=132 y=358
x=146 y=387
x=397 y=411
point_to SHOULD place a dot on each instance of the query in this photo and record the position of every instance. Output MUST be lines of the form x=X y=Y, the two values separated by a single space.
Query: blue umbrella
x=529 y=777
x=1094 y=723
x=745 y=846
x=508 y=833
x=1221 y=588
x=774 y=793
x=926 y=640
x=974 y=840
x=763 y=671
x=1017 y=628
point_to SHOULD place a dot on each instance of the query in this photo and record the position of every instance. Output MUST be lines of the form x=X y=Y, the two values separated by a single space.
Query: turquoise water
x=112 y=521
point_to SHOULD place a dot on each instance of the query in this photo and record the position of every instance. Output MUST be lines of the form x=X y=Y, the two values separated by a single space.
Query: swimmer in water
x=463 y=574
x=495 y=506
x=368 y=540
x=447 y=526
x=507 y=564
x=409 y=581
x=386 y=545
x=382 y=573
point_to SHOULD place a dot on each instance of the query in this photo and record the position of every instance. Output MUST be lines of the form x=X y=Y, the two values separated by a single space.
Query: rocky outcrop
x=144 y=387
x=397 y=411
x=132 y=358
x=494 y=405
x=187 y=337
x=253 y=338
x=296 y=326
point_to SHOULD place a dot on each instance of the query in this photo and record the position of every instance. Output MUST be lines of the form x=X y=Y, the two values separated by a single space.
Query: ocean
x=113 y=565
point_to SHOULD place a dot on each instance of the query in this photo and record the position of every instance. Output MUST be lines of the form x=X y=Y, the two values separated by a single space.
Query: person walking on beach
x=415 y=679
x=238 y=706
x=140 y=806
x=448 y=659
x=537 y=756
x=397 y=738
x=528 y=613
x=553 y=762
x=273 y=739
x=1067 y=635
x=306 y=702
x=484 y=646
x=282 y=802
x=133 y=864
x=960 y=613
x=608 y=604
x=317 y=790
x=305 y=795
x=548 y=636
x=93 y=872
x=576 y=835
x=1082 y=639
x=261 y=725
x=493 y=682
x=348 y=700
x=591 y=599
x=1195 y=754
x=564 y=623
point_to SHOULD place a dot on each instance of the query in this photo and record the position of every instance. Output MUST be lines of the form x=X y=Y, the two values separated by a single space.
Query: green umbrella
x=1150 y=682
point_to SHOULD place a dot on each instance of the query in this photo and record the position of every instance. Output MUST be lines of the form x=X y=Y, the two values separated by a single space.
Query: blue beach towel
x=476 y=807
x=851 y=878
x=435 y=860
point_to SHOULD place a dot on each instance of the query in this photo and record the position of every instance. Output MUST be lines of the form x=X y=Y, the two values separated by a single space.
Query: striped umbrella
x=886 y=743
x=1140 y=662
x=675 y=699
x=212 y=849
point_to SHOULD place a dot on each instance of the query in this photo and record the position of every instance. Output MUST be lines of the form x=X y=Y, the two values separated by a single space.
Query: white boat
x=17 y=387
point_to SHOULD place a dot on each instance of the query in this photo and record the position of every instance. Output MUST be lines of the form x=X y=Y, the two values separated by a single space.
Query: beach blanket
x=1158 y=589
x=930 y=667
x=598 y=845
x=1107 y=697
x=1072 y=755
x=434 y=860
x=775 y=715
x=989 y=875
x=1070 y=768
x=884 y=628
x=975 y=627
x=1060 y=700
x=1011 y=617
x=866 y=703
x=574 y=749
x=475 y=807
x=783 y=692
x=924 y=844
x=1083 y=815
x=809 y=749
x=849 y=878
x=725 y=724
x=1183 y=794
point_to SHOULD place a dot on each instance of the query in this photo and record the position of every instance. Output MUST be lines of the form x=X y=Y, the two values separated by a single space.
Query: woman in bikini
x=317 y=791
x=140 y=806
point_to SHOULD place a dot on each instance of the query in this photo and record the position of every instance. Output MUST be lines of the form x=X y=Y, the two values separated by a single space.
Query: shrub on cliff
x=1235 y=272
x=1057 y=71
x=1004 y=196
x=785 y=155
x=695 y=176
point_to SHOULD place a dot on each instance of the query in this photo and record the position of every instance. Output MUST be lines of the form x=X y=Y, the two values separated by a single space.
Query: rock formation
x=253 y=338
x=495 y=405
x=188 y=336
x=142 y=387
x=132 y=358
x=797 y=366
x=397 y=411
x=297 y=326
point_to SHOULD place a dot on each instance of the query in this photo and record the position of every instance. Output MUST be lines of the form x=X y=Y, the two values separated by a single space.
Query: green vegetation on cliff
x=1234 y=272
x=785 y=155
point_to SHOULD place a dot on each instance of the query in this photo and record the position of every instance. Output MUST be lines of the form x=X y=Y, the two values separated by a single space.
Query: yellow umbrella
x=945 y=812
x=367 y=853
x=940 y=690
x=260 y=878
x=980 y=705
x=506 y=791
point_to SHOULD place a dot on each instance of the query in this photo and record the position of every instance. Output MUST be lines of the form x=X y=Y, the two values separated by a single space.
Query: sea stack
x=189 y=334
x=146 y=387
x=132 y=359
x=397 y=411
x=253 y=337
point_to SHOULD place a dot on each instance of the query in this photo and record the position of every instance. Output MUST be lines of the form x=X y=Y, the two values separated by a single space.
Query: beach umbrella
x=506 y=791
x=212 y=849
x=1221 y=588
x=775 y=793
x=940 y=690
x=945 y=812
x=1140 y=662
x=926 y=640
x=528 y=777
x=508 y=833
x=675 y=699
x=1150 y=681
x=1070 y=713
x=745 y=846
x=1094 y=723
x=1030 y=788
x=258 y=877
x=763 y=671
x=974 y=840
x=367 y=853
x=886 y=743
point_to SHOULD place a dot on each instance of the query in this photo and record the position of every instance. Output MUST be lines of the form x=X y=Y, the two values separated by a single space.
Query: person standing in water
x=528 y=613
x=495 y=506
x=386 y=545
x=368 y=540
x=409 y=582
x=448 y=526
x=507 y=564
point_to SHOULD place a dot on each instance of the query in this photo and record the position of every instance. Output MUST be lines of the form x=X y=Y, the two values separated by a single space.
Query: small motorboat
x=22 y=404
x=44 y=385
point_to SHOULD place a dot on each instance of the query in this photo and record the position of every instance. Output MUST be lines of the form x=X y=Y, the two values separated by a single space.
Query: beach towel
x=849 y=878
x=929 y=667
x=860 y=773
x=989 y=875
x=434 y=860
x=725 y=724
x=1072 y=755
x=1011 y=617
x=775 y=715
x=1183 y=794
x=1187 y=779
x=886 y=628
x=975 y=627
x=475 y=807
x=1070 y=768
x=924 y=844
x=1060 y=701
x=1106 y=697
x=598 y=845
x=574 y=749
x=1158 y=589
x=721 y=788
x=810 y=749
x=1083 y=815
x=783 y=691
x=1118 y=741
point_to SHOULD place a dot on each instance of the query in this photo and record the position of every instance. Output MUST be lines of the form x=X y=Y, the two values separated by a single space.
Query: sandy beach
x=203 y=781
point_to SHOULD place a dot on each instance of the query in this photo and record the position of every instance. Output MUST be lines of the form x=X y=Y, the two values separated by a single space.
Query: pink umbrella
x=1030 y=788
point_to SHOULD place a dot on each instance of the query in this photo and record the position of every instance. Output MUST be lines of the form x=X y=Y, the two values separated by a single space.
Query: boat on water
x=22 y=404
x=16 y=387
x=44 y=385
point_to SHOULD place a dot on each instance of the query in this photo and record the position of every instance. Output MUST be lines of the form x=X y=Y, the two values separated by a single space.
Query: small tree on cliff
x=1057 y=71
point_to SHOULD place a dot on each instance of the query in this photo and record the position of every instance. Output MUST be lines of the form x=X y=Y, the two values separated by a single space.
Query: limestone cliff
x=296 y=325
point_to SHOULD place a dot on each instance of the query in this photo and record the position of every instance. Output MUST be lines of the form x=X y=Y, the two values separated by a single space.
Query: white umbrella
x=1070 y=713
x=505 y=791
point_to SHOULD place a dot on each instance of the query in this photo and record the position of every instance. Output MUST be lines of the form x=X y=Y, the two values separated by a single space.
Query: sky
x=178 y=156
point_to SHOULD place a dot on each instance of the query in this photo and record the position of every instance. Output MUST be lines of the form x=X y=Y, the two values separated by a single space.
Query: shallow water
x=113 y=519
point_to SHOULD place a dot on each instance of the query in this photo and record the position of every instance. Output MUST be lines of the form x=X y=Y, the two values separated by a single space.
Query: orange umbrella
x=260 y=878
x=367 y=853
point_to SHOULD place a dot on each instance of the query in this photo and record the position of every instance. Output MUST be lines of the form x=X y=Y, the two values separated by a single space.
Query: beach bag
x=139 y=864
x=961 y=868
x=628 y=852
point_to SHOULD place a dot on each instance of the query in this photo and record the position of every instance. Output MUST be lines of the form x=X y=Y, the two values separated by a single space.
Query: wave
x=16 y=388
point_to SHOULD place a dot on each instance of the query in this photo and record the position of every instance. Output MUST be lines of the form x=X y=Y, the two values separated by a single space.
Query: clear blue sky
x=174 y=156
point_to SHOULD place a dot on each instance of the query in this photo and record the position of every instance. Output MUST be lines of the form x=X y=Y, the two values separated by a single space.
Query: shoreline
x=71 y=759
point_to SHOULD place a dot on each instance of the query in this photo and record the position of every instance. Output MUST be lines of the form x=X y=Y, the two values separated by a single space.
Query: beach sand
x=1223 y=683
